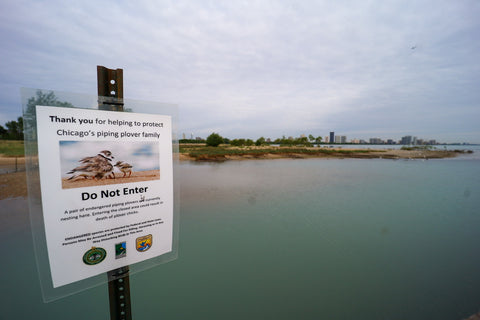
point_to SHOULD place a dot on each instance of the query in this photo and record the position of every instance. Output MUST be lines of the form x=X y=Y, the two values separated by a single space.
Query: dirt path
x=13 y=185
x=10 y=164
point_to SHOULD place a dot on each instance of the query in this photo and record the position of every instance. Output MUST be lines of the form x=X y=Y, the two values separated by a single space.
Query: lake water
x=293 y=239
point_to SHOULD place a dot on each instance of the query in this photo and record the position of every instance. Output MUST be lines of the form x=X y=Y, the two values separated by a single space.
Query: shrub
x=214 y=140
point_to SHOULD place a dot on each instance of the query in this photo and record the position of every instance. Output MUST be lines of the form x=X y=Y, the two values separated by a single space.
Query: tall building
x=332 y=137
x=406 y=140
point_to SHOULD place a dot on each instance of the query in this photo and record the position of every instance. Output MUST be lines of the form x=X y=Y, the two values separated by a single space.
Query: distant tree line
x=300 y=141
x=13 y=130
x=191 y=141
x=242 y=142
x=215 y=140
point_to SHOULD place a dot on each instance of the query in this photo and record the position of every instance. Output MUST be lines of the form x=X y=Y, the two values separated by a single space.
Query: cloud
x=253 y=68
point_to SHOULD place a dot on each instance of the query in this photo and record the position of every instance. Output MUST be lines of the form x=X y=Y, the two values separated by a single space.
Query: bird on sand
x=96 y=167
x=124 y=167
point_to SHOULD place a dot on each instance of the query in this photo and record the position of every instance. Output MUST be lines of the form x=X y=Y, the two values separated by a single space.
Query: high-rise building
x=332 y=137
x=376 y=141
x=406 y=140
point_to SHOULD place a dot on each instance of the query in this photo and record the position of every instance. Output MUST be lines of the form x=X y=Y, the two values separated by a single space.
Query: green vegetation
x=200 y=152
x=300 y=141
x=13 y=130
x=11 y=148
x=424 y=147
x=260 y=142
x=293 y=147
x=195 y=141
x=462 y=151
x=214 y=140
x=242 y=142
x=41 y=99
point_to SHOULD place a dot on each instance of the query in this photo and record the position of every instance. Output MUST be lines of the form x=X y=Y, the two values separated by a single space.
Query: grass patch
x=412 y=148
x=12 y=148
x=201 y=152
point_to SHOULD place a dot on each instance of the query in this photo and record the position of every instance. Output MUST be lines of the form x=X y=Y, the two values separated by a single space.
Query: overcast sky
x=261 y=68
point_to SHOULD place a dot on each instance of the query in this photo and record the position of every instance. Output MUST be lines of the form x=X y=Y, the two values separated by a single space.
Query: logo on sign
x=120 y=250
x=144 y=243
x=94 y=256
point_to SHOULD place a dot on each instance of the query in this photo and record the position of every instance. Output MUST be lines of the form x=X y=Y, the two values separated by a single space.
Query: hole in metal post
x=112 y=93
x=112 y=81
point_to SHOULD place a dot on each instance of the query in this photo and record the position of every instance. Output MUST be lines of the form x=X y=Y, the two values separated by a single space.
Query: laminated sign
x=107 y=189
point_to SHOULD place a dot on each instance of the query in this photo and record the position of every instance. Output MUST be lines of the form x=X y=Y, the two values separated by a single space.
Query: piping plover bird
x=124 y=167
x=96 y=167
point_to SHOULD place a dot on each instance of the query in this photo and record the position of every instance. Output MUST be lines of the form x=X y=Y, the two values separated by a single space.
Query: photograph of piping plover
x=95 y=167
x=94 y=163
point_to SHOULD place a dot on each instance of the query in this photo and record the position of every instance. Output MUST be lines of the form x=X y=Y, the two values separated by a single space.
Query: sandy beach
x=8 y=164
x=13 y=185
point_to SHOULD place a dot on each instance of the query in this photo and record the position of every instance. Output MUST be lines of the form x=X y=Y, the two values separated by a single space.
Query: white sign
x=107 y=189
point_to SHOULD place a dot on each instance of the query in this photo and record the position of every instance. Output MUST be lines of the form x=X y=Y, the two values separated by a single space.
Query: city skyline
x=340 y=139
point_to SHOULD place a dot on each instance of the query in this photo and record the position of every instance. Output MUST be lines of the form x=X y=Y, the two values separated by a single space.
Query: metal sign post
x=110 y=97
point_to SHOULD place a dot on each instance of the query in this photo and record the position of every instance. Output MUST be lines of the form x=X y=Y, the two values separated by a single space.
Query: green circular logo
x=94 y=256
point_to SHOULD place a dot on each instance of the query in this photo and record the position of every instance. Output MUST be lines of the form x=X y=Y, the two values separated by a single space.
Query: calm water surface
x=294 y=239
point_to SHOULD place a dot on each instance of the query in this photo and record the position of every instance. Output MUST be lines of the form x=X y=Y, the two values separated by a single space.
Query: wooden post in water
x=110 y=97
